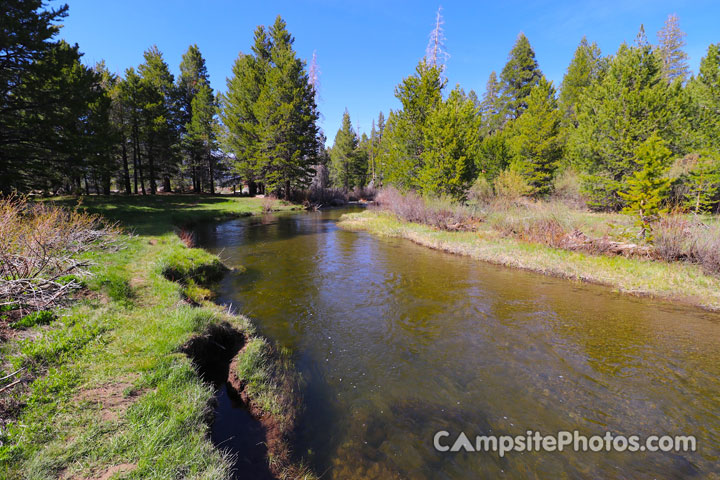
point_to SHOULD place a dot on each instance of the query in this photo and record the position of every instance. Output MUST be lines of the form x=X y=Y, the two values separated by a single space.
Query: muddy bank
x=256 y=403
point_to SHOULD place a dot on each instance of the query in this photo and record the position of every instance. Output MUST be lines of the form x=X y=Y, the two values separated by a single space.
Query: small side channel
x=233 y=428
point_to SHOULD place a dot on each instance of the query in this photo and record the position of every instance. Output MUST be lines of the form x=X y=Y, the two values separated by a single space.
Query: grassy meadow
x=101 y=388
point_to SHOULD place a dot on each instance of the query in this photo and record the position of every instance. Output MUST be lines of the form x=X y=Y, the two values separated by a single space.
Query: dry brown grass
x=41 y=249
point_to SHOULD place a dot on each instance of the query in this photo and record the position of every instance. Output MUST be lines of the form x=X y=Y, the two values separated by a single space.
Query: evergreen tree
x=451 y=143
x=344 y=156
x=670 y=48
x=585 y=69
x=535 y=139
x=193 y=77
x=648 y=186
x=26 y=33
x=201 y=130
x=491 y=108
x=287 y=114
x=160 y=122
x=403 y=138
x=494 y=155
x=703 y=183
x=520 y=74
x=615 y=116
x=705 y=92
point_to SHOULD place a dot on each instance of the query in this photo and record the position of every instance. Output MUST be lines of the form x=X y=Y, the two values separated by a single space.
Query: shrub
x=481 y=192
x=438 y=212
x=41 y=247
x=567 y=188
x=706 y=249
x=511 y=185
x=674 y=238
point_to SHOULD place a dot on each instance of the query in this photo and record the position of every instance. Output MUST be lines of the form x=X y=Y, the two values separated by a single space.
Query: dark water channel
x=396 y=341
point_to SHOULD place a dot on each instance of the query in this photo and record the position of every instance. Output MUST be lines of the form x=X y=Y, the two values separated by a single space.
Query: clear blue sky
x=366 y=48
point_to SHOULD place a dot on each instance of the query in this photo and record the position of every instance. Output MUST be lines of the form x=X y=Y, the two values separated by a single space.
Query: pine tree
x=451 y=145
x=490 y=107
x=648 y=187
x=26 y=37
x=671 y=42
x=703 y=183
x=193 y=77
x=520 y=74
x=615 y=116
x=435 y=53
x=535 y=138
x=160 y=122
x=201 y=130
x=403 y=137
x=344 y=156
x=705 y=92
x=287 y=115
x=585 y=69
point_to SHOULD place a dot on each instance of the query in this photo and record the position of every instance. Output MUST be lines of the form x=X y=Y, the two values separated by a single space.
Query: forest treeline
x=68 y=127
x=633 y=130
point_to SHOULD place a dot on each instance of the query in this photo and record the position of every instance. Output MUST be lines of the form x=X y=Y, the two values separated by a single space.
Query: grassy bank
x=108 y=390
x=675 y=281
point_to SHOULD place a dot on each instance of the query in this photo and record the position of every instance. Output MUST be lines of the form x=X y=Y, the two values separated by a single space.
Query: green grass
x=677 y=281
x=106 y=385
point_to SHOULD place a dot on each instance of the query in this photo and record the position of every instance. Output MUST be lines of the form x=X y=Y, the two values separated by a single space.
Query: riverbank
x=114 y=385
x=682 y=282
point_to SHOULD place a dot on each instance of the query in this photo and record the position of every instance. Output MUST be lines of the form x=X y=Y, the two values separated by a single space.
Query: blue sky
x=366 y=48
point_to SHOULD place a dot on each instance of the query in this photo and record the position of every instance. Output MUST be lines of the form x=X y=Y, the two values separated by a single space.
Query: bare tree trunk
x=126 y=169
x=211 y=172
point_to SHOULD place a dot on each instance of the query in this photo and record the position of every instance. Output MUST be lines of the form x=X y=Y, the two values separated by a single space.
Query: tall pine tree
x=520 y=74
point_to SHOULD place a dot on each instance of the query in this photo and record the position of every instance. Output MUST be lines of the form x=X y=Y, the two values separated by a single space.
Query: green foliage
x=535 y=138
x=511 y=184
x=184 y=264
x=616 y=115
x=520 y=74
x=494 y=155
x=586 y=68
x=491 y=107
x=703 y=184
x=347 y=168
x=450 y=148
x=403 y=138
x=42 y=317
x=116 y=286
x=648 y=187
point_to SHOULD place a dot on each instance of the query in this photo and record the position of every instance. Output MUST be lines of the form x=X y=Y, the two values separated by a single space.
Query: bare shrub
x=41 y=249
x=440 y=213
x=268 y=204
x=706 y=249
x=674 y=238
x=549 y=224
x=481 y=192
x=567 y=188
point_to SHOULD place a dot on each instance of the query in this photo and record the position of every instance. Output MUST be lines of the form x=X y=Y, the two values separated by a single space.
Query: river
x=396 y=341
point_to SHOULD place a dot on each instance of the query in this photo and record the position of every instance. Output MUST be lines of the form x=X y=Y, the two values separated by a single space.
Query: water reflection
x=397 y=341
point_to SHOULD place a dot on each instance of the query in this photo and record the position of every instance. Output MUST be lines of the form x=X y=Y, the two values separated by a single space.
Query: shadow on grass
x=160 y=214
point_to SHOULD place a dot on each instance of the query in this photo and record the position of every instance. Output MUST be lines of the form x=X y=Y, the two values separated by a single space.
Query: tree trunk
x=211 y=173
x=287 y=189
x=151 y=167
x=126 y=169
x=166 y=183
x=87 y=184
x=252 y=188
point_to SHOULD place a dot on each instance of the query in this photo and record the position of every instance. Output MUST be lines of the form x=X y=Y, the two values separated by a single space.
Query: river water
x=396 y=341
